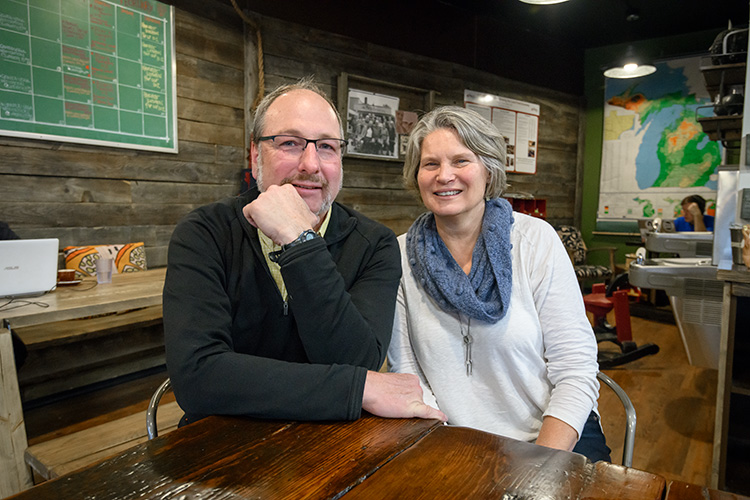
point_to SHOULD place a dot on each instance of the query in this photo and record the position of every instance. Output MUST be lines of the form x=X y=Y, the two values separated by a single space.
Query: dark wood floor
x=674 y=401
x=675 y=405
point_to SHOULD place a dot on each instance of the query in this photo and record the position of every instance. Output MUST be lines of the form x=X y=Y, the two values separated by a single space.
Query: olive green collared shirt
x=268 y=246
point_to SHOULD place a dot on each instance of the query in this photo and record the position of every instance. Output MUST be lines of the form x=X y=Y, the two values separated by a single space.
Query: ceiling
x=541 y=45
x=596 y=23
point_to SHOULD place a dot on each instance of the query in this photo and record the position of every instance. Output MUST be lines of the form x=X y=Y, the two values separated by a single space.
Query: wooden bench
x=64 y=454
x=67 y=355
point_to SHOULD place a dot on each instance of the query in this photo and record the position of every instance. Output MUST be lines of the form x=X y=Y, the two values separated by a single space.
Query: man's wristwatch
x=304 y=236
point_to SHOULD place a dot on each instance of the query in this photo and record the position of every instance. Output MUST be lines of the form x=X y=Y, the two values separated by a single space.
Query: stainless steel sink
x=669 y=274
x=696 y=298
x=689 y=244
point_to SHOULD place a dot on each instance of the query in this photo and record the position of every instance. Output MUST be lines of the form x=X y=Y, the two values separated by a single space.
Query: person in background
x=488 y=313
x=6 y=233
x=693 y=218
x=279 y=303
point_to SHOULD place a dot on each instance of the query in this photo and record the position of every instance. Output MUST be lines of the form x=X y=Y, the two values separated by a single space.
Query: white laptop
x=28 y=267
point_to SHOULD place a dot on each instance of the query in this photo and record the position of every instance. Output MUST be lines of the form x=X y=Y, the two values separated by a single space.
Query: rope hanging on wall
x=259 y=42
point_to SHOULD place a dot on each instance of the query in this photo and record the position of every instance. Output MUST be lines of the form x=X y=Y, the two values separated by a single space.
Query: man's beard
x=317 y=179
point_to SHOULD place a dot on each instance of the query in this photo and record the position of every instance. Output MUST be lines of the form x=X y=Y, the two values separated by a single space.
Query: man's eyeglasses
x=293 y=146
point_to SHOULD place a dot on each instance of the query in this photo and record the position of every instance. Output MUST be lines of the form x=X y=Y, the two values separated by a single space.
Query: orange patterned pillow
x=128 y=258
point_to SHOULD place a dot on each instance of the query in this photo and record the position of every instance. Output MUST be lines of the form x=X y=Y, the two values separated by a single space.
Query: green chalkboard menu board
x=89 y=71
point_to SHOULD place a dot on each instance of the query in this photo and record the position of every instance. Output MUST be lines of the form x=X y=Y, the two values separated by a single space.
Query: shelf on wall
x=722 y=73
x=734 y=74
x=533 y=207
x=722 y=128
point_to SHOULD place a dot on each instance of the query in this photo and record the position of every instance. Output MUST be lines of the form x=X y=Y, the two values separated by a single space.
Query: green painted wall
x=655 y=49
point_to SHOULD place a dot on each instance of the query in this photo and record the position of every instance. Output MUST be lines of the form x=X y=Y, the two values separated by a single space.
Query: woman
x=489 y=312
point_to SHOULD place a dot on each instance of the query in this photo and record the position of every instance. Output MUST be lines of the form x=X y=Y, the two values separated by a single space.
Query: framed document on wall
x=517 y=120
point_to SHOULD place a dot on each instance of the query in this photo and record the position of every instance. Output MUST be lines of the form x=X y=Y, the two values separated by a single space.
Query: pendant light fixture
x=630 y=66
x=543 y=2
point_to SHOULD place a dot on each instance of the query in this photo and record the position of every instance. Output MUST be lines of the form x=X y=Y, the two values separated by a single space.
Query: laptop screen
x=28 y=267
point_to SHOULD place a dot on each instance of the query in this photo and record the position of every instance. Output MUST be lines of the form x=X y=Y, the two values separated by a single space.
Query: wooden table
x=371 y=458
x=127 y=291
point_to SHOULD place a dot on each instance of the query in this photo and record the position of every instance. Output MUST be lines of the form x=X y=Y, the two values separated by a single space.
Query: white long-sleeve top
x=539 y=360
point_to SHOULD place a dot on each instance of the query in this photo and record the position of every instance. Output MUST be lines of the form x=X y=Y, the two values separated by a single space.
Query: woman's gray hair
x=477 y=134
x=306 y=83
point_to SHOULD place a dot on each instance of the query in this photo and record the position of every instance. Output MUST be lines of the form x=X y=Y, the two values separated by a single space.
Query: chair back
x=153 y=405
x=630 y=418
x=573 y=242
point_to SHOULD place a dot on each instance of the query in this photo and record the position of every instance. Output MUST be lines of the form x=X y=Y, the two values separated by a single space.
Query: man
x=692 y=215
x=279 y=303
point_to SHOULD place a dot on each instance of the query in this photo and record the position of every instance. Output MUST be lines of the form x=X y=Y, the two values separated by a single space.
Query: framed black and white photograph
x=371 y=124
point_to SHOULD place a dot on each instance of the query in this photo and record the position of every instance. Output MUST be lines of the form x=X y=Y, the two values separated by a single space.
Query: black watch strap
x=304 y=236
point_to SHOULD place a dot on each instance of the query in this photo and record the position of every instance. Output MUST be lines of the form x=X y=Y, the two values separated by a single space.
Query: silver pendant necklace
x=466 y=334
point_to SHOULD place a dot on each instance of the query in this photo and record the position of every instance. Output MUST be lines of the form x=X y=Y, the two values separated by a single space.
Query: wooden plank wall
x=374 y=186
x=95 y=195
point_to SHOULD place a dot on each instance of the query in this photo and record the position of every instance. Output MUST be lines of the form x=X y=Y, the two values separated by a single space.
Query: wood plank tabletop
x=127 y=291
x=679 y=490
x=229 y=457
x=370 y=458
x=473 y=464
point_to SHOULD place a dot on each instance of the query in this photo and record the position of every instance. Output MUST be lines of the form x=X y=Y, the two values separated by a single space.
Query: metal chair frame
x=153 y=405
x=630 y=418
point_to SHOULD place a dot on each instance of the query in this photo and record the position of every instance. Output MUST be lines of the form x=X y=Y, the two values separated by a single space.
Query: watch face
x=307 y=235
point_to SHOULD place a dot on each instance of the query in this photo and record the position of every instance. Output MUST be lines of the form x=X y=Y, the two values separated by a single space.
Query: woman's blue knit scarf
x=485 y=293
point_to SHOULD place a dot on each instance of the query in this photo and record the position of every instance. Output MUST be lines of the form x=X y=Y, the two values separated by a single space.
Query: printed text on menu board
x=88 y=71
x=518 y=121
